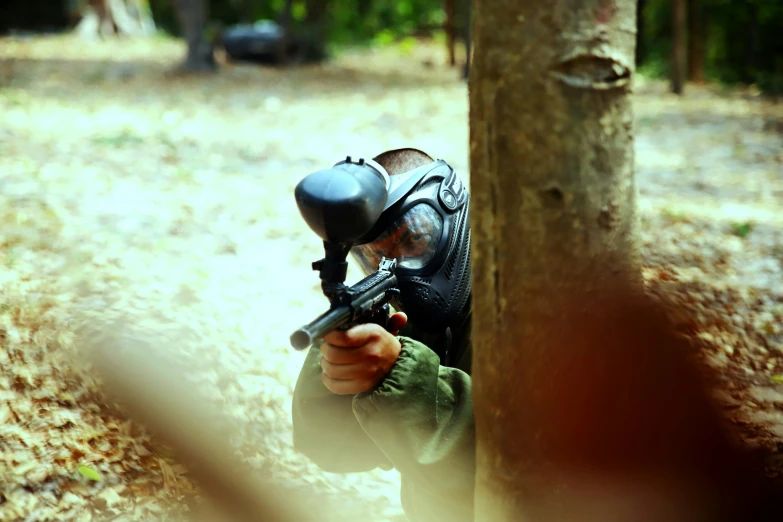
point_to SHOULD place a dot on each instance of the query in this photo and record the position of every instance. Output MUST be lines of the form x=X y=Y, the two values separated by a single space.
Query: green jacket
x=419 y=420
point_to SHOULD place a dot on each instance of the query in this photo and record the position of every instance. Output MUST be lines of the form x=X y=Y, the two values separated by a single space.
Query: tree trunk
x=317 y=25
x=193 y=16
x=749 y=72
x=641 y=45
x=696 y=41
x=247 y=11
x=448 y=6
x=285 y=22
x=555 y=237
x=679 y=46
x=585 y=408
x=468 y=34
x=133 y=17
x=115 y=17
x=554 y=217
x=96 y=20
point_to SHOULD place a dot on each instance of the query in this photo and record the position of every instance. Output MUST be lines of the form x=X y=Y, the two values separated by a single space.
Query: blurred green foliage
x=740 y=40
x=351 y=22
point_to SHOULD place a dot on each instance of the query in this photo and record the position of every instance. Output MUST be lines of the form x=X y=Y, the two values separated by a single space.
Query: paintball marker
x=340 y=205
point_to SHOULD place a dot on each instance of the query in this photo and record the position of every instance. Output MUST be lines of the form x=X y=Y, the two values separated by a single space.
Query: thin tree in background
x=641 y=45
x=285 y=19
x=193 y=16
x=679 y=46
x=115 y=17
x=317 y=24
x=448 y=6
x=468 y=35
x=696 y=40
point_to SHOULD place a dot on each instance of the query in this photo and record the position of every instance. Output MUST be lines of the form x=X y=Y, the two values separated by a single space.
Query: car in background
x=261 y=43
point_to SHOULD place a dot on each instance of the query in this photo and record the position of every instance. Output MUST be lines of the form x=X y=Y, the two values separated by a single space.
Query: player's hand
x=357 y=360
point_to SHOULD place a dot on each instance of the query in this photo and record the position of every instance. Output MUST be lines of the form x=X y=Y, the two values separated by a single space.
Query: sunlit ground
x=129 y=194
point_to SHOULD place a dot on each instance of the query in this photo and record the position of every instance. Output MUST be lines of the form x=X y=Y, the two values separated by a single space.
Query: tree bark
x=448 y=6
x=749 y=73
x=554 y=223
x=193 y=16
x=468 y=34
x=96 y=20
x=696 y=41
x=641 y=44
x=285 y=16
x=317 y=24
x=115 y=17
x=679 y=46
x=585 y=407
x=132 y=17
x=247 y=11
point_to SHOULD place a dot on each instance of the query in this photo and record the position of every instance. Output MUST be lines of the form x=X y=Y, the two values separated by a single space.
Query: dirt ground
x=127 y=193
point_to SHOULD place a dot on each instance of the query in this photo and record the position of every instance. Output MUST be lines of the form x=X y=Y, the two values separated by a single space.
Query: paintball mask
x=424 y=226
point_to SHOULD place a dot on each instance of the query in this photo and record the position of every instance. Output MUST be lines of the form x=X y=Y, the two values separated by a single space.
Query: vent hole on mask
x=439 y=301
x=422 y=292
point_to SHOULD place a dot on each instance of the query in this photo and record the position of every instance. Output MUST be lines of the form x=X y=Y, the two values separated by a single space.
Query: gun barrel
x=334 y=318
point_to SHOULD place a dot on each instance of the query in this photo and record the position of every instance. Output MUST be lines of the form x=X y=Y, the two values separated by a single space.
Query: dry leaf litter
x=127 y=194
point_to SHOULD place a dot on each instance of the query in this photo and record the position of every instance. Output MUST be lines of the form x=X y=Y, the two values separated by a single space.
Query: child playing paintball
x=400 y=398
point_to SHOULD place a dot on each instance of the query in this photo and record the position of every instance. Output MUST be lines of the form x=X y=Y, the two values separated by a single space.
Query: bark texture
x=641 y=33
x=554 y=211
x=585 y=407
x=679 y=46
x=115 y=17
x=468 y=37
x=193 y=16
x=317 y=24
x=696 y=41
x=449 y=27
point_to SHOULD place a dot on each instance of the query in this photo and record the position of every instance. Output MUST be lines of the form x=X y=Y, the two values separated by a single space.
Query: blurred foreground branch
x=155 y=393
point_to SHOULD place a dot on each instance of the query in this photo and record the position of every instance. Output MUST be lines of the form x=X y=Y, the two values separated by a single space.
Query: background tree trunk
x=641 y=45
x=751 y=45
x=193 y=16
x=317 y=24
x=468 y=35
x=679 y=46
x=448 y=6
x=585 y=408
x=115 y=17
x=554 y=219
x=96 y=20
x=696 y=41
x=247 y=11
x=285 y=22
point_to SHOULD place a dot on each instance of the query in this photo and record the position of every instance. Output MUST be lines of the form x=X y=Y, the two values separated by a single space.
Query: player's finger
x=351 y=387
x=397 y=322
x=353 y=337
x=343 y=372
x=339 y=354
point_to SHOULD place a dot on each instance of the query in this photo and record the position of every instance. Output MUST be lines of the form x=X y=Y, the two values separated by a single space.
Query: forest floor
x=127 y=192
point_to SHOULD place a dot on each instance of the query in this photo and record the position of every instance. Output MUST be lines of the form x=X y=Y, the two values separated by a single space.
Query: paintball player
x=400 y=398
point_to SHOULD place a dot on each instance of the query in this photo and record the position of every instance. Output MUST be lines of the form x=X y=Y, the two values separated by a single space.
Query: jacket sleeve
x=325 y=427
x=419 y=420
x=421 y=416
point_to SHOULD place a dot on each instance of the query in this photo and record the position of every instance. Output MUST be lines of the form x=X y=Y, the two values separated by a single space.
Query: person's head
x=425 y=226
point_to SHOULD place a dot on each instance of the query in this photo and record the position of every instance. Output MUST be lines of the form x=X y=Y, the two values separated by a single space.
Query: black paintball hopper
x=342 y=203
